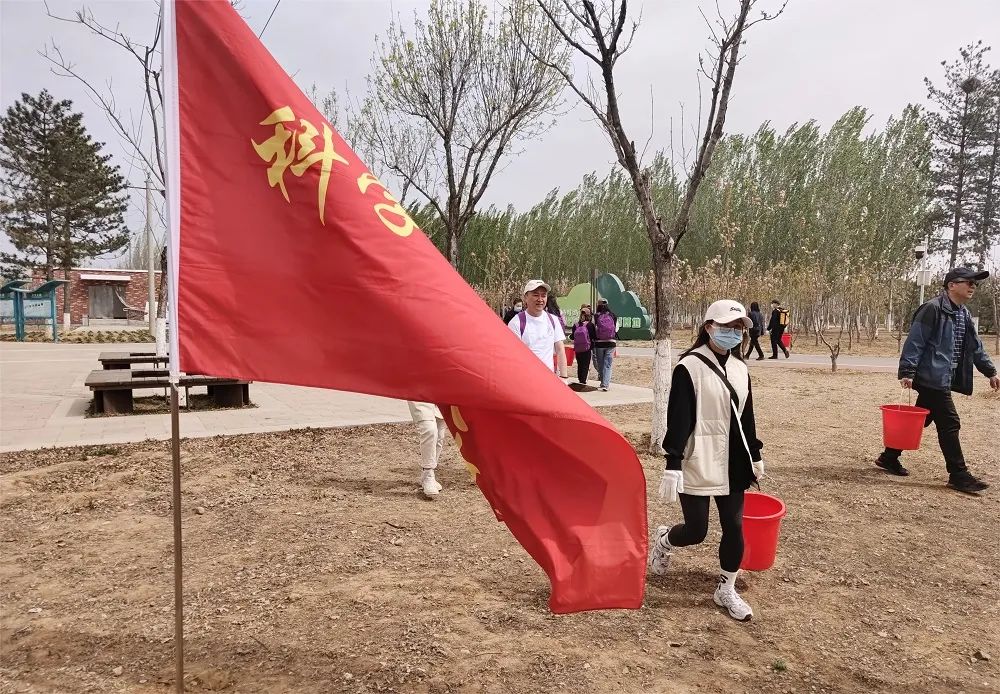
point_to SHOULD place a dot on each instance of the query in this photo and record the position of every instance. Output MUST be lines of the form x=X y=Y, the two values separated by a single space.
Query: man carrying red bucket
x=940 y=351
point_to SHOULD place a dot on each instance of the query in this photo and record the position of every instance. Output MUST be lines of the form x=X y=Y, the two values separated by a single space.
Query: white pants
x=431 y=432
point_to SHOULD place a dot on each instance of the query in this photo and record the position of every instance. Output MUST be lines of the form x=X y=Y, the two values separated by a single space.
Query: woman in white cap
x=711 y=448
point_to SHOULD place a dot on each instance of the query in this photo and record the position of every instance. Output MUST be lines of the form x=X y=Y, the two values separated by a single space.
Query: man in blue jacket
x=940 y=351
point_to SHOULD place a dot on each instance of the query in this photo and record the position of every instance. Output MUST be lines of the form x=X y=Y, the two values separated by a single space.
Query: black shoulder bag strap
x=718 y=372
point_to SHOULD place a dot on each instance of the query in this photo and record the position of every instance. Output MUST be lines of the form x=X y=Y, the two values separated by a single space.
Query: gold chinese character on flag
x=291 y=148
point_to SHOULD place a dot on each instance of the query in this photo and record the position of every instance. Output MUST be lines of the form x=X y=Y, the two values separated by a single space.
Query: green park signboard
x=633 y=318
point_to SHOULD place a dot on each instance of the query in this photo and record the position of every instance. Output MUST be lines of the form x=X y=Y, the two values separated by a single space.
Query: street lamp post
x=922 y=280
x=150 y=259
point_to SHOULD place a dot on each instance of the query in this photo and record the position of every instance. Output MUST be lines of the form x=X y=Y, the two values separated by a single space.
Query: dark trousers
x=776 y=342
x=695 y=526
x=583 y=365
x=755 y=345
x=945 y=418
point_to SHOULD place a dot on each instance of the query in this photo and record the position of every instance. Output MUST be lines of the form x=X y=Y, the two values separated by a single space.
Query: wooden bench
x=113 y=388
x=125 y=360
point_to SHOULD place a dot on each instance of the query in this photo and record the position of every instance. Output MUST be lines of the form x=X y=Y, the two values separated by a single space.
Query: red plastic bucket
x=762 y=516
x=902 y=426
x=786 y=340
x=570 y=354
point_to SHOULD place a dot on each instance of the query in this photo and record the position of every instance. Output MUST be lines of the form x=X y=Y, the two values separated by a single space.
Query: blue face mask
x=726 y=338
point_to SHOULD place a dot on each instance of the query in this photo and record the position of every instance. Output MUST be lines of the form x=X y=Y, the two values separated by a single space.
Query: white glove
x=758 y=469
x=671 y=485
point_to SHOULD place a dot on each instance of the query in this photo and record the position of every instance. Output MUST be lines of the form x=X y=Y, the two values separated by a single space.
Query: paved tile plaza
x=43 y=402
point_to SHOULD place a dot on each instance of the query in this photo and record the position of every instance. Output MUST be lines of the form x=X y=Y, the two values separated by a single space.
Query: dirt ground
x=885 y=345
x=314 y=566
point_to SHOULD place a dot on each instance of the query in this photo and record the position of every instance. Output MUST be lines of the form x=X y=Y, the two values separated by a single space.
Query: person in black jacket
x=513 y=311
x=940 y=351
x=756 y=331
x=777 y=328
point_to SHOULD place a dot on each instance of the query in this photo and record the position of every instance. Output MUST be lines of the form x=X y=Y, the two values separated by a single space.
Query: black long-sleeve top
x=774 y=325
x=681 y=417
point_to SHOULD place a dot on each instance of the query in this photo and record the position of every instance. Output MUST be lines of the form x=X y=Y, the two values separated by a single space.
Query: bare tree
x=449 y=101
x=142 y=135
x=602 y=36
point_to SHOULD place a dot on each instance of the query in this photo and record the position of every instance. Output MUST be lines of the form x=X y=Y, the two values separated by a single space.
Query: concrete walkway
x=817 y=361
x=43 y=401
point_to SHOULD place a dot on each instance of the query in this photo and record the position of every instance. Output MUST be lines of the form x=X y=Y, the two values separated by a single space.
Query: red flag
x=293 y=264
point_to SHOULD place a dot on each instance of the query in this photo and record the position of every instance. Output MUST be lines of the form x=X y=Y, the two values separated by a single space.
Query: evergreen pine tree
x=61 y=200
x=959 y=127
x=985 y=188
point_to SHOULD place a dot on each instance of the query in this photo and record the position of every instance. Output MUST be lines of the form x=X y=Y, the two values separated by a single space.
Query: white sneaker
x=431 y=487
x=727 y=597
x=659 y=553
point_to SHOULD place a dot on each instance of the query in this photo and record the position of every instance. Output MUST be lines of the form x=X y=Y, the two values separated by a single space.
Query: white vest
x=706 y=456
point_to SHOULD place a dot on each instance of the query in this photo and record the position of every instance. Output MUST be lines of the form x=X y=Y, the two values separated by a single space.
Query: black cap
x=965 y=273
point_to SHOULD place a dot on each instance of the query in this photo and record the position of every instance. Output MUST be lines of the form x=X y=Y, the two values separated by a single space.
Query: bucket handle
x=909 y=396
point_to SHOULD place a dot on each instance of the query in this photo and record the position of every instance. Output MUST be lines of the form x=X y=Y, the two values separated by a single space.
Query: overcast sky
x=819 y=59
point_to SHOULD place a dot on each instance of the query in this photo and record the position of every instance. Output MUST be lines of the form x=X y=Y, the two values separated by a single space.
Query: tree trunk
x=66 y=265
x=50 y=260
x=67 y=292
x=452 y=246
x=662 y=355
x=161 y=290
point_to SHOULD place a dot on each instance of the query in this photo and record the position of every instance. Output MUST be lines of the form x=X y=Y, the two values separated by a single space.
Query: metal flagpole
x=172 y=184
x=175 y=447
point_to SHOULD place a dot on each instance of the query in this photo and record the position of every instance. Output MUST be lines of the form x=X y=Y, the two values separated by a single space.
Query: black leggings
x=754 y=344
x=695 y=526
x=583 y=365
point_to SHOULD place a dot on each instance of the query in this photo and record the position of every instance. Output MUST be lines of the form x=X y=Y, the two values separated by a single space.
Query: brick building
x=102 y=293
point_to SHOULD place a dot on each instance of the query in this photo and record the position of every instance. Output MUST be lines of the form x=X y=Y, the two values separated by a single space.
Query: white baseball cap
x=532 y=285
x=726 y=311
